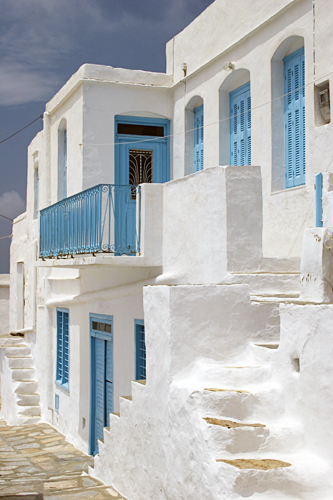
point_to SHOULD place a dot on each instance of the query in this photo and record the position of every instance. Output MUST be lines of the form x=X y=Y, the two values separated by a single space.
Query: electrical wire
x=209 y=124
x=6 y=217
x=3 y=237
x=15 y=133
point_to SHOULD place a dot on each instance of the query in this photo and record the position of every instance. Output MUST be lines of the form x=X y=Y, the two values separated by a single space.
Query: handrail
x=104 y=218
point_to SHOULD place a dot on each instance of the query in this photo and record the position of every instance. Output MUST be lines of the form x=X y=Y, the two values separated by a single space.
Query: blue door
x=240 y=126
x=142 y=155
x=101 y=334
x=294 y=115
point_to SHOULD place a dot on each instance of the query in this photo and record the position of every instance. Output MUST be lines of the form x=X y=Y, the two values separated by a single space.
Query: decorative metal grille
x=140 y=168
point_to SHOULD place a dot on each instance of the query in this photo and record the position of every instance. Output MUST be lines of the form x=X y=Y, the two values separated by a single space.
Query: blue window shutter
x=294 y=112
x=109 y=379
x=62 y=367
x=198 y=139
x=56 y=403
x=140 y=350
x=240 y=125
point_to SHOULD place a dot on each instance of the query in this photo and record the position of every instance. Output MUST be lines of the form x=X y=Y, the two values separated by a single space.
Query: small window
x=62 y=371
x=198 y=139
x=322 y=104
x=140 y=350
x=146 y=130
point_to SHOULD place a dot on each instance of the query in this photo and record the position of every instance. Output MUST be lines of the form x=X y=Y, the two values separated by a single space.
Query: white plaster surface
x=4 y=303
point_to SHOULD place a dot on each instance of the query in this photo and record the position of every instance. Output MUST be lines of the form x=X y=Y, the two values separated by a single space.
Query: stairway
x=20 y=401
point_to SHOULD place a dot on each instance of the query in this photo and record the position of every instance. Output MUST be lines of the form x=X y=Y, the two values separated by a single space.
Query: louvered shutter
x=198 y=139
x=62 y=367
x=240 y=126
x=294 y=112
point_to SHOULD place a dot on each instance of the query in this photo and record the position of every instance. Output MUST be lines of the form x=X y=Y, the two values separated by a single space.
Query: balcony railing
x=105 y=218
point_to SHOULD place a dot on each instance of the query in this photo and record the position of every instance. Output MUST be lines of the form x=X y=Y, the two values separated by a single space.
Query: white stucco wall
x=4 y=303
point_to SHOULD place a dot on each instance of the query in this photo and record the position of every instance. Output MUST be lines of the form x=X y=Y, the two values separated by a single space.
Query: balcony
x=102 y=219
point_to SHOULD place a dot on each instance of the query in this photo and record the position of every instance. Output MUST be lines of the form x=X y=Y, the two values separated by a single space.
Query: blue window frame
x=65 y=163
x=319 y=200
x=62 y=369
x=140 y=350
x=294 y=116
x=240 y=125
x=198 y=138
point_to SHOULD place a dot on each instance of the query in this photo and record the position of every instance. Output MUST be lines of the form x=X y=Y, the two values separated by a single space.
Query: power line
x=3 y=140
x=3 y=237
x=6 y=217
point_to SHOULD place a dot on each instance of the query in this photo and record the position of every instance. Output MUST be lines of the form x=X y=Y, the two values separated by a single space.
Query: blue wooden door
x=142 y=155
x=101 y=333
x=294 y=114
x=240 y=126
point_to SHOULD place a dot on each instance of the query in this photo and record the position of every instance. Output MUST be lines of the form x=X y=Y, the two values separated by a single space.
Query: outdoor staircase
x=241 y=428
x=22 y=396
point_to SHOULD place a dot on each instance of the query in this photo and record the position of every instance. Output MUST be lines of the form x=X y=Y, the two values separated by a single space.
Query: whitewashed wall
x=4 y=303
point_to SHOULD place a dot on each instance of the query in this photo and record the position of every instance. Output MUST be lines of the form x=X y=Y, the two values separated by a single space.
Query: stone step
x=23 y=374
x=129 y=398
x=12 y=341
x=234 y=437
x=236 y=377
x=19 y=350
x=228 y=402
x=29 y=419
x=256 y=464
x=28 y=399
x=26 y=387
x=33 y=411
x=269 y=283
x=20 y=362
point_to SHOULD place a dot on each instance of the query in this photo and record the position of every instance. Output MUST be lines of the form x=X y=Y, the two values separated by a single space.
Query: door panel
x=101 y=333
x=240 y=126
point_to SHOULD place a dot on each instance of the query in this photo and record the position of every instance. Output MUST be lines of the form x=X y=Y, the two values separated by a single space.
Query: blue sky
x=43 y=42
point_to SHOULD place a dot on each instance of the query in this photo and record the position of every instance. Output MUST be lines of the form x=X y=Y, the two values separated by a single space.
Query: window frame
x=138 y=323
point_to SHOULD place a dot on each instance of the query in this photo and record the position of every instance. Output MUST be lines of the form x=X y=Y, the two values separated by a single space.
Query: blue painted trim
x=240 y=125
x=319 y=200
x=294 y=118
x=56 y=402
x=294 y=54
x=105 y=336
x=198 y=138
x=62 y=380
x=137 y=323
x=240 y=90
x=141 y=142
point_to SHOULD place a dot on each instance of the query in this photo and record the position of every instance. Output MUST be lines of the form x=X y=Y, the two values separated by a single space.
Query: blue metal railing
x=105 y=218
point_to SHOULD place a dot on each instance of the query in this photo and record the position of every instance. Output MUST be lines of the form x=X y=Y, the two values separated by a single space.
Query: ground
x=37 y=462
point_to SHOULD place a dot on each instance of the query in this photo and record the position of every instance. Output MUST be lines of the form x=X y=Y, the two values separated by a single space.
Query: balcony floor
x=82 y=261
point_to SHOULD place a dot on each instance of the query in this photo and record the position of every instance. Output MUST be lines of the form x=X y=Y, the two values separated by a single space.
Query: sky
x=43 y=42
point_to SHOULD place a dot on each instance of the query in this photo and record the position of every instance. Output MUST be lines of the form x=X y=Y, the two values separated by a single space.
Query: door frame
x=141 y=142
x=105 y=336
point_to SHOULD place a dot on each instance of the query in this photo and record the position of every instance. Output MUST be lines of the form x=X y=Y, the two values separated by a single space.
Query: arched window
x=62 y=160
x=194 y=136
x=288 y=114
x=235 y=119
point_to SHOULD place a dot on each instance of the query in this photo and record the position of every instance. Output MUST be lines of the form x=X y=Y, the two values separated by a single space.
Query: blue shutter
x=109 y=379
x=198 y=139
x=294 y=112
x=62 y=366
x=100 y=383
x=240 y=125
x=140 y=350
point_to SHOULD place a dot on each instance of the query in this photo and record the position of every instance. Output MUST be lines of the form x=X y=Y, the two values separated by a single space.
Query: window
x=294 y=117
x=198 y=139
x=240 y=125
x=62 y=371
x=140 y=350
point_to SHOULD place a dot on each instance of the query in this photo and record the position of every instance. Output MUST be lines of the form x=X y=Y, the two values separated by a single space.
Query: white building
x=201 y=269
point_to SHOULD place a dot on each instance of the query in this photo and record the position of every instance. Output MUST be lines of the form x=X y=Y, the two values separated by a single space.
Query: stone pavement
x=36 y=462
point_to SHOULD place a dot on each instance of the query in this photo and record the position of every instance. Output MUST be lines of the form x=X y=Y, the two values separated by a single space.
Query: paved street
x=35 y=460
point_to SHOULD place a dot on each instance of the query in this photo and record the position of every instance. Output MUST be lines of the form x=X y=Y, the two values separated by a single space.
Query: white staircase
x=20 y=400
